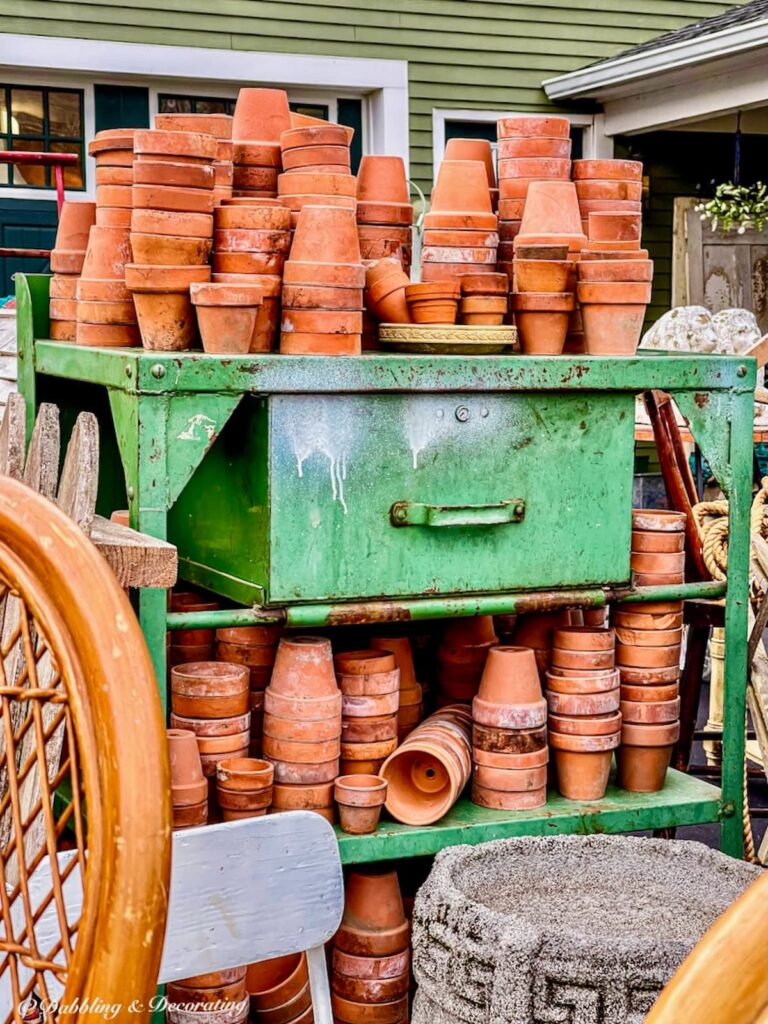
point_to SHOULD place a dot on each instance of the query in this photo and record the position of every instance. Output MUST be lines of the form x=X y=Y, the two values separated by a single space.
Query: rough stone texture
x=562 y=929
x=695 y=329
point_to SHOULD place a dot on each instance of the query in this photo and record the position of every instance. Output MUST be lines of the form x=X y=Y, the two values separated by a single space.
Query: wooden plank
x=13 y=435
x=136 y=559
x=79 y=483
x=41 y=471
x=681 y=206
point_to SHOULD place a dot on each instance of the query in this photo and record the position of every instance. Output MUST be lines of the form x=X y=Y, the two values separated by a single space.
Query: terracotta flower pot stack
x=461 y=230
x=244 y=787
x=411 y=708
x=279 y=991
x=219 y=997
x=614 y=286
x=113 y=152
x=434 y=302
x=384 y=211
x=327 y=182
x=186 y=645
x=543 y=302
x=256 y=648
x=648 y=653
x=302 y=725
x=613 y=186
x=323 y=285
x=428 y=772
x=370 y=968
x=461 y=656
x=476 y=149
x=359 y=799
x=529 y=149
x=106 y=316
x=509 y=733
x=584 y=716
x=261 y=116
x=211 y=699
x=220 y=127
x=385 y=284
x=67 y=258
x=369 y=681
x=484 y=299
x=189 y=787
x=251 y=244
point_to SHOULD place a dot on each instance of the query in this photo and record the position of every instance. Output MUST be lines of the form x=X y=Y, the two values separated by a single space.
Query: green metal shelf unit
x=319 y=491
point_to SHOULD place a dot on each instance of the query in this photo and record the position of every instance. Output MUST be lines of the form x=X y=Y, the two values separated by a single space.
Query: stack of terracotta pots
x=317 y=148
x=359 y=799
x=428 y=772
x=323 y=285
x=220 y=127
x=613 y=186
x=384 y=211
x=584 y=716
x=244 y=787
x=530 y=148
x=385 y=284
x=370 y=686
x=187 y=645
x=113 y=151
x=296 y=190
x=435 y=302
x=193 y=998
x=370 y=969
x=476 y=149
x=648 y=653
x=410 y=709
x=484 y=299
x=302 y=725
x=261 y=116
x=210 y=699
x=67 y=257
x=461 y=229
x=464 y=646
x=543 y=298
x=509 y=733
x=189 y=787
x=614 y=286
x=279 y=991
x=106 y=316
x=255 y=647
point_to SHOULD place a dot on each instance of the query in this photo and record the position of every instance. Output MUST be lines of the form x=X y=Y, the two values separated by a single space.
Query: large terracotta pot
x=542 y=320
x=552 y=208
x=382 y=179
x=462 y=185
x=625 y=170
x=75 y=222
x=163 y=306
x=644 y=755
x=583 y=763
x=374 y=922
x=527 y=125
x=261 y=114
x=472 y=149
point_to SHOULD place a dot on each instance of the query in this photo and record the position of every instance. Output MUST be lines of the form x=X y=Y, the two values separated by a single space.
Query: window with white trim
x=41 y=119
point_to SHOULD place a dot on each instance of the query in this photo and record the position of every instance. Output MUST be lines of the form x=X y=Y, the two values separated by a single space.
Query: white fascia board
x=595 y=82
x=153 y=61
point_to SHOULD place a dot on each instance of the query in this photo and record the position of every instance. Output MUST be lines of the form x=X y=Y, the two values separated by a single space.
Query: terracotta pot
x=485 y=284
x=649 y=637
x=118 y=196
x=650 y=712
x=499 y=800
x=169 y=250
x=615 y=189
x=386 y=301
x=95 y=312
x=261 y=156
x=609 y=292
x=464 y=240
x=226 y=316
x=615 y=271
x=108 y=335
x=349 y=1012
x=527 y=715
x=542 y=320
x=656 y=579
x=666 y=692
x=445 y=254
x=552 y=251
x=627 y=170
x=190 y=815
x=178 y=175
x=433 y=303
x=658 y=561
x=250 y=240
x=658 y=520
x=541 y=275
x=320 y=184
x=272 y=983
x=582 y=683
x=326 y=233
x=253 y=218
x=535 y=167
x=656 y=540
x=583 y=703
x=427 y=774
x=374 y=922
x=583 y=764
x=582 y=659
x=369 y=753
x=462 y=185
x=163 y=222
x=163 y=305
x=510 y=780
x=606 y=724
x=75 y=222
x=334 y=157
x=644 y=755
x=649 y=676
x=184 y=145
x=266 y=263
x=64 y=286
x=321 y=321
x=648 y=657
x=212 y=726
x=623 y=206
x=551 y=207
x=615 y=227
x=360 y=799
x=371 y=991
x=261 y=114
x=370 y=729
x=109 y=250
x=369 y=683
x=316 y=136
x=612 y=329
x=510 y=676
x=291 y=729
x=314 y=751
x=529 y=125
x=385 y=214
x=365 y=706
x=248 y=178
x=510 y=762
x=538 y=146
x=62 y=330
x=365 y=662
x=583 y=638
x=455 y=220
x=473 y=150
x=218 y=125
x=305 y=772
x=304 y=669
x=244 y=774
x=209 y=690
x=490 y=739
x=302 y=797
x=400 y=647
x=187 y=782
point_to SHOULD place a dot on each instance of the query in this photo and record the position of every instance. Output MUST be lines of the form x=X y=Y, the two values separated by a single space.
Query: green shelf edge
x=683 y=801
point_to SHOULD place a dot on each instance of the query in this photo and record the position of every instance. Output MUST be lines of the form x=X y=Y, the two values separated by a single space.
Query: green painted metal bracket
x=412 y=513
x=25 y=342
x=706 y=412
x=194 y=423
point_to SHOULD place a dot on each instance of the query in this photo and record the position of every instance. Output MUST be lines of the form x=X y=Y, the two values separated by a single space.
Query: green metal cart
x=383 y=488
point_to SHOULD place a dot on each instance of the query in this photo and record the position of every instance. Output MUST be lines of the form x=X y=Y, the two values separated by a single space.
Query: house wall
x=468 y=54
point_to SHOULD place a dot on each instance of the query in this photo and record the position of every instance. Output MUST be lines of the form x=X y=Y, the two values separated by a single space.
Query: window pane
x=64 y=114
x=73 y=173
x=175 y=105
x=310 y=110
x=27 y=111
x=211 y=107
x=4 y=126
x=29 y=175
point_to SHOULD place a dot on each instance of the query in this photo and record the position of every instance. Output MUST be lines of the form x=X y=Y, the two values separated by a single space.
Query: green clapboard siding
x=487 y=54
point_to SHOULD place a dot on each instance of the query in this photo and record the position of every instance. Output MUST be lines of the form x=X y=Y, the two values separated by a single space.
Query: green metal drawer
x=319 y=498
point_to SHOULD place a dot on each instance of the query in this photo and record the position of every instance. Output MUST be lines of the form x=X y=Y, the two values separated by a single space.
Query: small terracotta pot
x=302 y=772
x=585 y=725
x=315 y=135
x=365 y=706
x=212 y=726
x=322 y=185
x=261 y=114
x=650 y=712
x=373 y=729
x=272 y=983
x=107 y=253
x=252 y=218
x=510 y=676
x=209 y=690
x=189 y=786
x=226 y=316
x=375 y=752
x=541 y=275
x=499 y=800
x=371 y=991
x=462 y=185
x=649 y=637
x=644 y=755
x=369 y=684
x=302 y=797
x=509 y=780
x=657 y=541
x=532 y=125
x=297 y=752
x=75 y=222
x=364 y=662
x=582 y=659
x=178 y=175
x=624 y=293
x=583 y=638
x=190 y=815
x=582 y=684
x=649 y=676
x=508 y=741
x=473 y=150
x=551 y=207
x=542 y=320
x=648 y=657
x=244 y=774
x=334 y=157
x=628 y=170
x=374 y=922
x=657 y=562
x=528 y=715
x=433 y=303
x=184 y=145
x=583 y=764
x=553 y=147
x=613 y=329
x=615 y=271
x=302 y=708
x=666 y=692
x=615 y=227
x=304 y=669
x=510 y=762
x=169 y=250
x=611 y=190
x=583 y=703
x=349 y=1012
x=163 y=306
x=360 y=799
x=658 y=520
x=164 y=222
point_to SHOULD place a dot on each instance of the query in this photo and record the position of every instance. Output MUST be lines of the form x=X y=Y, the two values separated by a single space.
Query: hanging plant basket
x=736 y=207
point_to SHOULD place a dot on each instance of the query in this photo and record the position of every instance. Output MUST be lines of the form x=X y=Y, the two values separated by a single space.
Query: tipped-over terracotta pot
x=261 y=114
x=472 y=149
x=374 y=922
x=226 y=316
x=188 y=784
x=273 y=983
x=303 y=669
x=360 y=799
x=462 y=185
x=510 y=676
x=382 y=179
x=644 y=755
x=75 y=222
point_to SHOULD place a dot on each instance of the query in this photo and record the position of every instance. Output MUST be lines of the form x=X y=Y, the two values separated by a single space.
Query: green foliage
x=736 y=206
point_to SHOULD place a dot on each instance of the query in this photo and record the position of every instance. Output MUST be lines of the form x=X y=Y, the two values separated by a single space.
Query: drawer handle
x=413 y=513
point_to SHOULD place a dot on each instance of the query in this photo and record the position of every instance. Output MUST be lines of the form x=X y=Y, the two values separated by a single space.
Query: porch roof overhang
x=675 y=85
